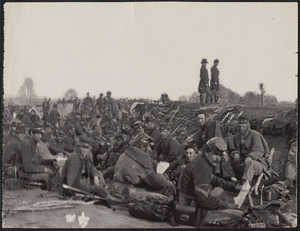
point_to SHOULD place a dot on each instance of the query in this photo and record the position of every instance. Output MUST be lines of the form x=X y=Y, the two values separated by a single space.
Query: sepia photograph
x=150 y=115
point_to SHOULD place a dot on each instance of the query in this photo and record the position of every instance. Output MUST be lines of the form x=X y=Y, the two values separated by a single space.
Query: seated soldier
x=113 y=155
x=32 y=166
x=57 y=146
x=135 y=167
x=12 y=127
x=13 y=146
x=177 y=166
x=79 y=171
x=197 y=181
x=34 y=117
x=151 y=130
x=181 y=137
x=169 y=148
x=247 y=150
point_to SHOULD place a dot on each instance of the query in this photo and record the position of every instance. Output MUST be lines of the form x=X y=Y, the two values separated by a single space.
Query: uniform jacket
x=197 y=180
x=155 y=135
x=31 y=158
x=137 y=168
x=72 y=173
x=214 y=82
x=54 y=117
x=11 y=150
x=251 y=144
x=203 y=84
x=168 y=149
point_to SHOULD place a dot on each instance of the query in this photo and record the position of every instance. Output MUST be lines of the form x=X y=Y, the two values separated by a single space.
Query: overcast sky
x=145 y=49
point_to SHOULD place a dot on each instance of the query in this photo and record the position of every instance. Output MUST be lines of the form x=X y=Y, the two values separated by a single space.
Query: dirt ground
x=100 y=216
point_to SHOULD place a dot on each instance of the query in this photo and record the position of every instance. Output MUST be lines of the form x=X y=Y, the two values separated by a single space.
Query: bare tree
x=262 y=92
x=70 y=94
x=26 y=91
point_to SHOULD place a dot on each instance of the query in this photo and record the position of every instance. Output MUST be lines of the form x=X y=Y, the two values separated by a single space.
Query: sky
x=145 y=49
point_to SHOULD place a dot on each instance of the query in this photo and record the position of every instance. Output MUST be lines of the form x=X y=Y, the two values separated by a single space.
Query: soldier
x=32 y=166
x=100 y=102
x=169 y=148
x=88 y=100
x=34 y=118
x=55 y=116
x=247 y=149
x=136 y=167
x=153 y=132
x=12 y=128
x=203 y=87
x=13 y=146
x=79 y=171
x=214 y=82
x=198 y=180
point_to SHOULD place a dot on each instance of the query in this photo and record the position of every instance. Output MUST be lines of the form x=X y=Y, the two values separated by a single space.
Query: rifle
x=87 y=195
x=268 y=167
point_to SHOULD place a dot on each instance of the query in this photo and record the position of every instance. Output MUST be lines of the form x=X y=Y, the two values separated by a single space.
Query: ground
x=100 y=216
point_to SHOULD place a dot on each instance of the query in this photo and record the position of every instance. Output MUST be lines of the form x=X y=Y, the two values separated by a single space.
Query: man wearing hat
x=203 y=87
x=55 y=116
x=12 y=127
x=13 y=146
x=197 y=181
x=79 y=171
x=169 y=148
x=248 y=150
x=136 y=167
x=113 y=155
x=214 y=82
x=57 y=145
x=32 y=166
x=87 y=100
x=151 y=130
x=177 y=166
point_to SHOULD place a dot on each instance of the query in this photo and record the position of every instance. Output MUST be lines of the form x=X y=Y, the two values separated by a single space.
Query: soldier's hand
x=232 y=206
x=225 y=157
x=236 y=159
x=248 y=159
x=96 y=180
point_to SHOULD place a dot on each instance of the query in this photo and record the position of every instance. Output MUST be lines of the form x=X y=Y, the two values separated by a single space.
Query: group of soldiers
x=105 y=151
x=209 y=93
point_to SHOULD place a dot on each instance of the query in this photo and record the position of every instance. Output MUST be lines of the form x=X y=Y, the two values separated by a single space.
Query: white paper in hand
x=162 y=167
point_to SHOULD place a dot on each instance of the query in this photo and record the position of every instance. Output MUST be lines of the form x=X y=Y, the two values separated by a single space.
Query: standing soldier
x=203 y=87
x=214 y=82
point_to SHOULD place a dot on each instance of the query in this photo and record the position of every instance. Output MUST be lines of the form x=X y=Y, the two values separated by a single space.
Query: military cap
x=84 y=140
x=60 y=132
x=190 y=146
x=204 y=61
x=136 y=123
x=243 y=118
x=70 y=125
x=216 y=61
x=20 y=129
x=119 y=135
x=200 y=112
x=149 y=118
x=48 y=125
x=217 y=145
x=37 y=128
x=163 y=126
x=15 y=122
x=180 y=131
x=141 y=139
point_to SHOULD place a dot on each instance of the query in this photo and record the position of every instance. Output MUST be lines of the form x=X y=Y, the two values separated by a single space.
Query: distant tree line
x=250 y=98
